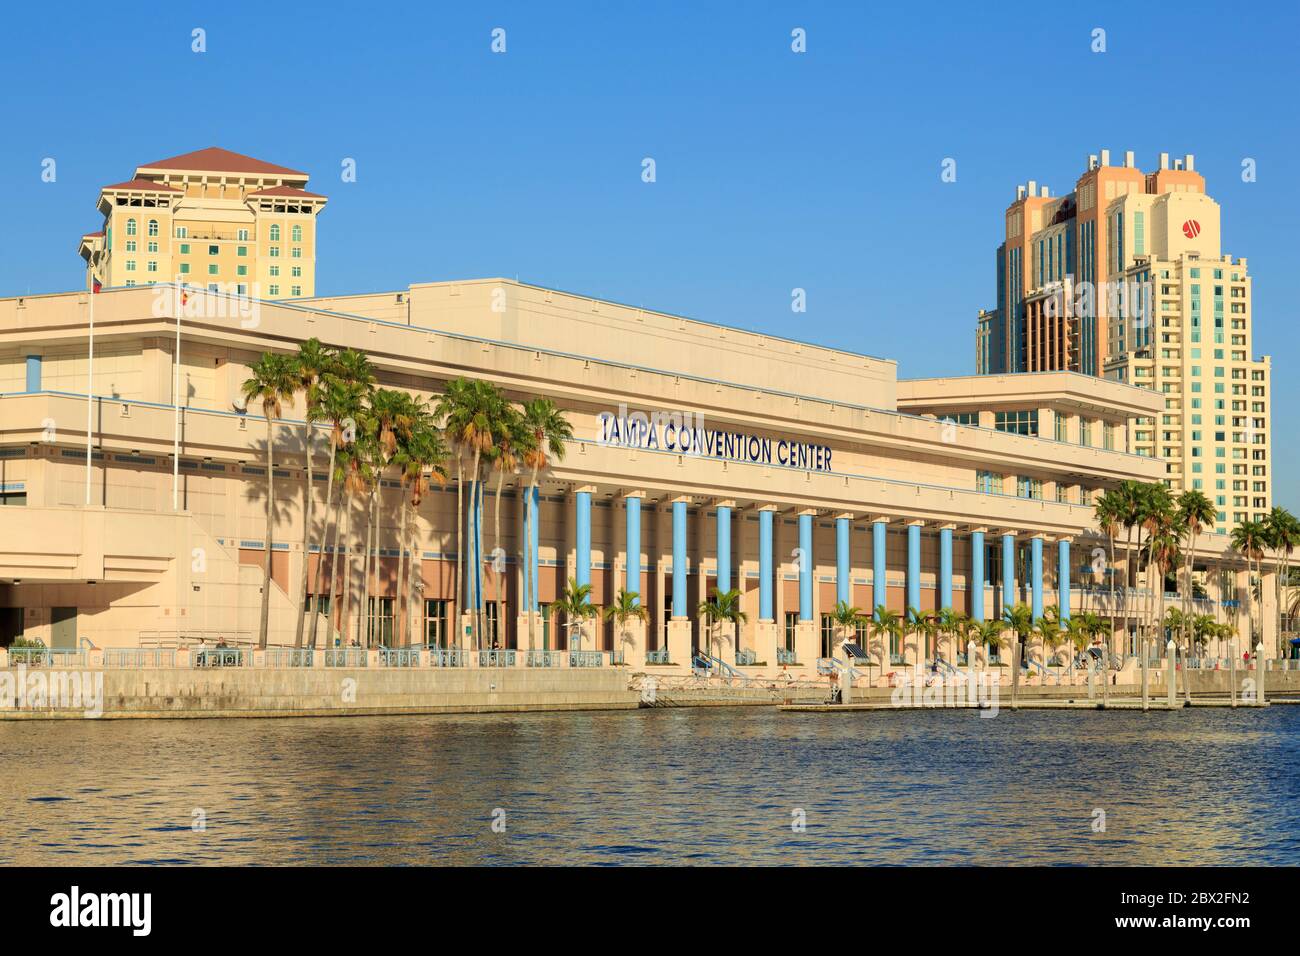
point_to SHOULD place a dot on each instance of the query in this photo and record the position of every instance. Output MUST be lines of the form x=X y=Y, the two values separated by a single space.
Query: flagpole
x=176 y=404
x=90 y=385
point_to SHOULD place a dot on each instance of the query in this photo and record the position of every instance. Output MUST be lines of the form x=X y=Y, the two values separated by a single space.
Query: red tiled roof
x=92 y=235
x=144 y=185
x=218 y=160
x=287 y=191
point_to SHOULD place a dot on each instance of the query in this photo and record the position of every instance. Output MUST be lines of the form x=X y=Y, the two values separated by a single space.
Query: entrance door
x=11 y=625
x=63 y=628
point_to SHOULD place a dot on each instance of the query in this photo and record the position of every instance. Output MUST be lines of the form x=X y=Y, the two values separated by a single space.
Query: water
x=714 y=785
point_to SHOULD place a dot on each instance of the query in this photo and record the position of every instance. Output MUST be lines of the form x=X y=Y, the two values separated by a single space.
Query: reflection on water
x=659 y=786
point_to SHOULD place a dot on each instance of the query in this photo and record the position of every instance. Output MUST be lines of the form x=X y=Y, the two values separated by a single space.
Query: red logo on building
x=1191 y=229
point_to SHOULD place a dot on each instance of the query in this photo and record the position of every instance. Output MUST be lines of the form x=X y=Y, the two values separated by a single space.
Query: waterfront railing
x=586 y=658
x=496 y=657
x=218 y=657
x=448 y=657
x=659 y=656
x=399 y=656
x=346 y=657
x=785 y=656
x=538 y=658
x=47 y=656
x=290 y=657
x=133 y=657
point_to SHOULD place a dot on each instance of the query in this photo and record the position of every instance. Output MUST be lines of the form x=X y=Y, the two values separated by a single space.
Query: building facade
x=703 y=457
x=1125 y=278
x=213 y=219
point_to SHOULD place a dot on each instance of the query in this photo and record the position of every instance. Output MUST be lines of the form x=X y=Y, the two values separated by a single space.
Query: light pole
x=1171 y=672
x=1259 y=671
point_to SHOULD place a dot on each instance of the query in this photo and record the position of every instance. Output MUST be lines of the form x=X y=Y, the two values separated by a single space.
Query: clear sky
x=774 y=170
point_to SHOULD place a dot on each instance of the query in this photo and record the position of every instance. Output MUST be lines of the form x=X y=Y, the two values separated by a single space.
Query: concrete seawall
x=333 y=692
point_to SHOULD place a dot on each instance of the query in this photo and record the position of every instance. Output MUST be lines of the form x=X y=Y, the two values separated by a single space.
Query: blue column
x=33 y=373
x=474 y=547
x=765 y=566
x=533 y=498
x=633 y=582
x=843 y=584
x=1063 y=579
x=879 y=592
x=914 y=566
x=679 y=559
x=582 y=522
x=805 y=568
x=945 y=567
x=724 y=548
x=1008 y=570
x=1036 y=574
x=977 y=575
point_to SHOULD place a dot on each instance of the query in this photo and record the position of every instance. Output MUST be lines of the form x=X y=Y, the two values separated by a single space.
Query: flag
x=95 y=286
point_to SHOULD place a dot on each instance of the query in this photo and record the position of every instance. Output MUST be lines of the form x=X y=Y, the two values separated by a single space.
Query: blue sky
x=774 y=170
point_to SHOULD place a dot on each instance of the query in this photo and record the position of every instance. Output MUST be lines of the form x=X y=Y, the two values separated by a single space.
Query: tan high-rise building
x=1124 y=278
x=213 y=219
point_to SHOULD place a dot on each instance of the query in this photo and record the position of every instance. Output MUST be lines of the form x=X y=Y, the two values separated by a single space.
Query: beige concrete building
x=704 y=456
x=212 y=219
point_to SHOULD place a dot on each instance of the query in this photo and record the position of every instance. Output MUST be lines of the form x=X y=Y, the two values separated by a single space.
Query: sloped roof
x=287 y=191
x=144 y=185
x=218 y=160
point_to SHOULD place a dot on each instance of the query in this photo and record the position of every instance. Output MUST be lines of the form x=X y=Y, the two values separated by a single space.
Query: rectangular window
x=242 y=235
x=242 y=251
x=213 y=250
x=212 y=269
x=275 y=290
x=435 y=623
x=295 y=290
x=185 y=248
x=1017 y=422
x=243 y=271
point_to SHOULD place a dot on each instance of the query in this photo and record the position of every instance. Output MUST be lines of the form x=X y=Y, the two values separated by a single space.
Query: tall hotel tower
x=1124 y=278
x=214 y=219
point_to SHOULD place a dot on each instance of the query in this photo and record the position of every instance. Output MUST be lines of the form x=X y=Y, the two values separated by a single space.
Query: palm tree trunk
x=528 y=557
x=459 y=592
x=413 y=607
x=307 y=508
x=345 y=579
x=270 y=519
x=475 y=539
x=496 y=550
x=399 y=592
x=320 y=561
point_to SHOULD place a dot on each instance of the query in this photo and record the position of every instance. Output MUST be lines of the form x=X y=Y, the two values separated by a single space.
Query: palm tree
x=1048 y=631
x=311 y=364
x=1283 y=536
x=722 y=608
x=420 y=447
x=346 y=386
x=1109 y=511
x=424 y=460
x=626 y=607
x=575 y=604
x=1128 y=498
x=1250 y=538
x=847 y=618
x=271 y=381
x=1195 y=512
x=917 y=622
x=468 y=412
x=889 y=627
x=1020 y=621
x=988 y=634
x=947 y=622
x=510 y=437
x=547 y=431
